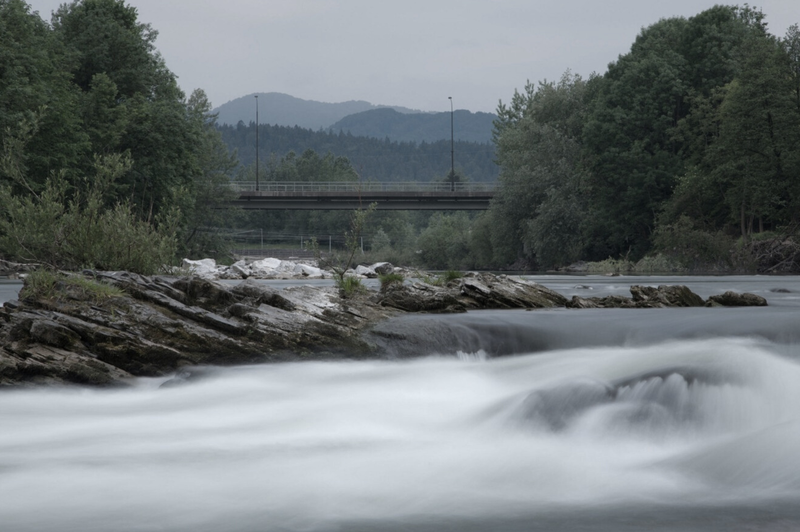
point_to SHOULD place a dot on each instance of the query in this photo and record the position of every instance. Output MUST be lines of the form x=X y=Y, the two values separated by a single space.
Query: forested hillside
x=418 y=127
x=378 y=159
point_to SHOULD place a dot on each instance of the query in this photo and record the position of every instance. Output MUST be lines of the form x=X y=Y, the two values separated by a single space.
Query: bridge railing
x=354 y=186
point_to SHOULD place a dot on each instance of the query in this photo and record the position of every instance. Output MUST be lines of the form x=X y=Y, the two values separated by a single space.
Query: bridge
x=350 y=195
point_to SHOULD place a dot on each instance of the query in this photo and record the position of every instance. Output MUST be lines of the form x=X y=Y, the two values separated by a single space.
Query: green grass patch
x=49 y=285
x=390 y=279
x=450 y=275
x=349 y=286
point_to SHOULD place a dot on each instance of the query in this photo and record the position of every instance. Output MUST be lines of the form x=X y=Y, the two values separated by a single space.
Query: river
x=595 y=420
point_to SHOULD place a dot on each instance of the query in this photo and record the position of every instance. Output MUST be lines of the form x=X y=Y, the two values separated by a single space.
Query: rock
x=486 y=290
x=51 y=333
x=420 y=297
x=264 y=267
x=733 y=299
x=308 y=271
x=206 y=268
x=164 y=323
x=472 y=291
x=382 y=268
x=580 y=302
x=365 y=271
x=666 y=296
x=643 y=297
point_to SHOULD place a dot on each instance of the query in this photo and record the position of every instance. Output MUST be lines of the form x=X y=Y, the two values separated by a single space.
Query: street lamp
x=452 y=150
x=256 y=142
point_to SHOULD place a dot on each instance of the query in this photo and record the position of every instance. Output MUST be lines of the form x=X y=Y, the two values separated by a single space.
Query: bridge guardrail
x=353 y=186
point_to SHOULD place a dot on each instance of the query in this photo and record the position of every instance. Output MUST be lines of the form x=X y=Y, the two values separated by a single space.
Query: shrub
x=694 y=248
x=349 y=286
x=450 y=275
x=390 y=279
x=71 y=229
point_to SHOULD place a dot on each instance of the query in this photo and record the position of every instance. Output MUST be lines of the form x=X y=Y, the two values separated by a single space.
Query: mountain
x=418 y=127
x=283 y=110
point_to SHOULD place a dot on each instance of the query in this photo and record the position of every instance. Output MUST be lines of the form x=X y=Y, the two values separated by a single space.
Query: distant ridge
x=419 y=127
x=284 y=110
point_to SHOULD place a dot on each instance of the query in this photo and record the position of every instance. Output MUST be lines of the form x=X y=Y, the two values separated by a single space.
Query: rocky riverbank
x=104 y=328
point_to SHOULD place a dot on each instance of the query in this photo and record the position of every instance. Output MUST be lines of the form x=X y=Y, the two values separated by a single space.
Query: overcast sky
x=413 y=53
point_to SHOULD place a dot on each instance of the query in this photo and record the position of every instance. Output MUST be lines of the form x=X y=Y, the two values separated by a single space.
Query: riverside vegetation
x=684 y=155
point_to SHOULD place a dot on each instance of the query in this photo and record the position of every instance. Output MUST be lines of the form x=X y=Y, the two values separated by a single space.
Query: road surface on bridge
x=338 y=195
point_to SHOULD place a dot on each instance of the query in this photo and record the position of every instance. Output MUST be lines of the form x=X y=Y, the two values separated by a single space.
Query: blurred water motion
x=666 y=429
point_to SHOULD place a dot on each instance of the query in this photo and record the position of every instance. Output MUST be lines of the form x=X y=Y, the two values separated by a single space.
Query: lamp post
x=256 y=142
x=452 y=150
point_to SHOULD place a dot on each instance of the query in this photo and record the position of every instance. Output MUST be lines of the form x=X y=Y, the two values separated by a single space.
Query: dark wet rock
x=383 y=268
x=162 y=324
x=420 y=297
x=734 y=299
x=643 y=297
x=780 y=291
x=666 y=296
x=488 y=291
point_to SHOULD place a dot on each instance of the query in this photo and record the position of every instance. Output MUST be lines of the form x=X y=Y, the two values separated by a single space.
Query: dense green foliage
x=688 y=141
x=93 y=120
x=374 y=159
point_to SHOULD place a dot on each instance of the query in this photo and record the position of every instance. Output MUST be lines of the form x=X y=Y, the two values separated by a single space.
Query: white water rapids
x=686 y=434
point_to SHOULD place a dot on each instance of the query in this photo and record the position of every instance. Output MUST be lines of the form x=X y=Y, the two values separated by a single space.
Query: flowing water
x=657 y=419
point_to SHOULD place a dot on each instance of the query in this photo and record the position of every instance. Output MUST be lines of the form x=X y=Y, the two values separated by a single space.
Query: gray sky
x=413 y=53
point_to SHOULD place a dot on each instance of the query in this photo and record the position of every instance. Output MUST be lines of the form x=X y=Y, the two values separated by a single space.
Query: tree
x=641 y=131
x=539 y=153
x=32 y=80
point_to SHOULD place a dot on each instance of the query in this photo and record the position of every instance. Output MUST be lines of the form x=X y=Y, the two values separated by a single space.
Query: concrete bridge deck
x=283 y=195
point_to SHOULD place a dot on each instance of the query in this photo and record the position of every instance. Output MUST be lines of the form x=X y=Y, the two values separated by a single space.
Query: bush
x=390 y=279
x=73 y=231
x=450 y=275
x=695 y=248
x=349 y=286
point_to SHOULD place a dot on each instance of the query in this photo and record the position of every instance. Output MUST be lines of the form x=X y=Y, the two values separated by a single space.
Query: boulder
x=420 y=297
x=643 y=297
x=365 y=271
x=734 y=299
x=264 y=267
x=665 y=296
x=241 y=268
x=472 y=291
x=382 y=268
x=489 y=291
x=308 y=271
x=206 y=268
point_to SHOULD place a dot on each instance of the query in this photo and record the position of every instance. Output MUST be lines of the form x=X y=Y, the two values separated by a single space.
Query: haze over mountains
x=359 y=118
